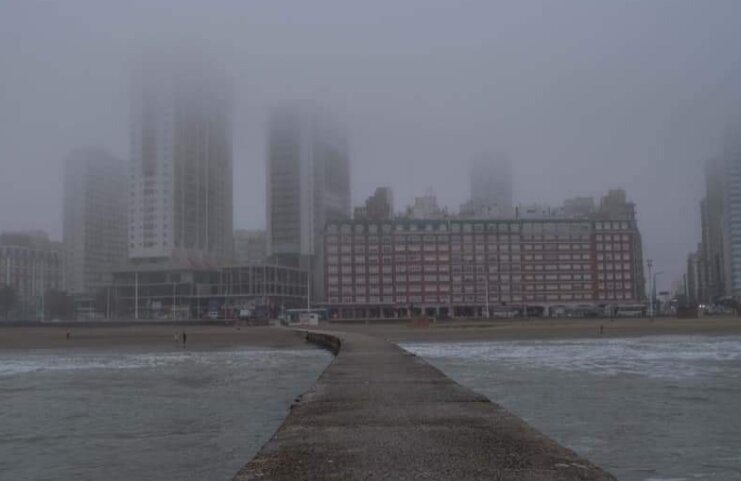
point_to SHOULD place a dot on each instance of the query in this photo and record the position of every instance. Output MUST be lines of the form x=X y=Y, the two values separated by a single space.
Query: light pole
x=650 y=263
x=653 y=292
x=488 y=313
x=136 y=295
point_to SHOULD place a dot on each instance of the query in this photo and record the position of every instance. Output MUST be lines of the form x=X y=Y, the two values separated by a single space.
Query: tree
x=8 y=300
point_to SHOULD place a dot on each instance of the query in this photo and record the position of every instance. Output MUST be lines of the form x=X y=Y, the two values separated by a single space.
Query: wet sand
x=218 y=337
x=513 y=329
x=154 y=336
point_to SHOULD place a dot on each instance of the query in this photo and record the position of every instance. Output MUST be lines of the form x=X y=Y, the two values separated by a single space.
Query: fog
x=582 y=96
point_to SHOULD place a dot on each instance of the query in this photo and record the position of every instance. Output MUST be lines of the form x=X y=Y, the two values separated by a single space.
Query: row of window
x=494 y=288
x=444 y=280
x=474 y=299
x=470 y=227
x=479 y=249
x=469 y=258
x=468 y=241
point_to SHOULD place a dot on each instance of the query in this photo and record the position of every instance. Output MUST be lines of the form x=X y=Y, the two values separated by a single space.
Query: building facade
x=460 y=267
x=162 y=292
x=308 y=169
x=732 y=212
x=712 y=249
x=32 y=265
x=308 y=177
x=491 y=186
x=476 y=267
x=426 y=207
x=180 y=205
x=250 y=246
x=694 y=287
x=95 y=218
x=379 y=206
x=709 y=272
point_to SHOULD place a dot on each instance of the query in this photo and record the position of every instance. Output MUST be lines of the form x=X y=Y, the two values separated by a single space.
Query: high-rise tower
x=731 y=210
x=308 y=175
x=95 y=232
x=181 y=164
x=491 y=185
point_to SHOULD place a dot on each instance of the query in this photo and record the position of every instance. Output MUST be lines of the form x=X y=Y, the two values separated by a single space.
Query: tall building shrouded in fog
x=181 y=164
x=491 y=187
x=491 y=181
x=308 y=175
x=731 y=210
x=95 y=194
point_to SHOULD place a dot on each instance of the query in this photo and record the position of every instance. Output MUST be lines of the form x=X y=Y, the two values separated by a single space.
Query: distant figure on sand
x=601 y=329
x=67 y=335
x=185 y=338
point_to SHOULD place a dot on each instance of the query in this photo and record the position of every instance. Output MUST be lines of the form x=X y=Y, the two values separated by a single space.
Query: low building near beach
x=204 y=291
x=462 y=267
x=33 y=266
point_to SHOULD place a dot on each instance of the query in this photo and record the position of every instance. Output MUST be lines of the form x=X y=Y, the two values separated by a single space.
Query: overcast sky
x=583 y=96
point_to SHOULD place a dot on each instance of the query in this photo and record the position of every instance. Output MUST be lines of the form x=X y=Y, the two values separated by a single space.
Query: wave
x=29 y=363
x=659 y=356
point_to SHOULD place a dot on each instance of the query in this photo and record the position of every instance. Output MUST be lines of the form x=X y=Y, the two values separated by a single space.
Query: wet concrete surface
x=381 y=413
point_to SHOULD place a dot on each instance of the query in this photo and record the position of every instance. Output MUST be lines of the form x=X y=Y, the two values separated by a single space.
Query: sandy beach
x=149 y=336
x=217 y=337
x=512 y=329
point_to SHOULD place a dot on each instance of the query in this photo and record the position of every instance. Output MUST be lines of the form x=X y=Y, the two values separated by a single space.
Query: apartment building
x=180 y=205
x=32 y=265
x=469 y=268
x=95 y=195
x=308 y=185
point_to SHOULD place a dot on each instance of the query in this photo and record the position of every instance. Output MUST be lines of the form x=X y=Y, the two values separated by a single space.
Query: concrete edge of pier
x=380 y=412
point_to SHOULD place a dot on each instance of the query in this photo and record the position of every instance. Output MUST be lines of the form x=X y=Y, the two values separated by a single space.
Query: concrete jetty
x=379 y=412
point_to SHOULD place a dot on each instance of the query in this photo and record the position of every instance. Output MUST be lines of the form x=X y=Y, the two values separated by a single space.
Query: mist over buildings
x=580 y=96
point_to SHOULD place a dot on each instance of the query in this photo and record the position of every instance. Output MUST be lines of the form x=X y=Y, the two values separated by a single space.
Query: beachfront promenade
x=379 y=412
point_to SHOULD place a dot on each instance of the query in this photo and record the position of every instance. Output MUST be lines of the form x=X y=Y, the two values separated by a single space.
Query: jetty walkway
x=380 y=413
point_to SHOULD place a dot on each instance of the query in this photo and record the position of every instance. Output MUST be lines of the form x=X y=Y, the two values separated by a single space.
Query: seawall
x=379 y=412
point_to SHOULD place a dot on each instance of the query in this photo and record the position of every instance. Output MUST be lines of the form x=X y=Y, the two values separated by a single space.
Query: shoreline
x=199 y=337
x=205 y=337
x=546 y=329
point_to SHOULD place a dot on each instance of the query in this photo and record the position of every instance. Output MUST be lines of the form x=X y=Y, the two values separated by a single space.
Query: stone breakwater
x=379 y=412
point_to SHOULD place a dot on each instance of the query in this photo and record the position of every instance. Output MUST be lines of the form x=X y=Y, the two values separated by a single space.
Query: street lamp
x=649 y=263
x=653 y=292
x=488 y=311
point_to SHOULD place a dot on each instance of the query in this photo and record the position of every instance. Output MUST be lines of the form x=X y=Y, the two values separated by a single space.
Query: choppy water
x=129 y=415
x=646 y=409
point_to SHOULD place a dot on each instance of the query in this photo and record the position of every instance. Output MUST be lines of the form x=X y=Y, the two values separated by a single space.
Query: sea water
x=139 y=415
x=645 y=409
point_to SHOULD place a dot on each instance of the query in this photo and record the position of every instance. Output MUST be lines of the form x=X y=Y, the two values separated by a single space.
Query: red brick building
x=481 y=267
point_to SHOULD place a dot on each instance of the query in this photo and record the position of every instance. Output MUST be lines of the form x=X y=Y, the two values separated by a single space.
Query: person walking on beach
x=185 y=338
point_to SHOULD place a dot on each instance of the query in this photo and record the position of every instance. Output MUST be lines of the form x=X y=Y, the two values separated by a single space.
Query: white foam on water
x=25 y=363
x=659 y=356
x=665 y=479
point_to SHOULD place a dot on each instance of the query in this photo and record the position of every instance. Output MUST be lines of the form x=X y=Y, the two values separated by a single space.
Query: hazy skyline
x=582 y=96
